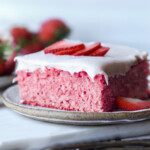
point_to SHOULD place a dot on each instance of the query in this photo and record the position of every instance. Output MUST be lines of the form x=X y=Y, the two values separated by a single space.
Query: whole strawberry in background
x=31 y=48
x=53 y=30
x=25 y=41
x=20 y=35
x=28 y=42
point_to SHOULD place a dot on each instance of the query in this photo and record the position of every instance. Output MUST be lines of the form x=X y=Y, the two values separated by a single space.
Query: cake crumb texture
x=59 y=89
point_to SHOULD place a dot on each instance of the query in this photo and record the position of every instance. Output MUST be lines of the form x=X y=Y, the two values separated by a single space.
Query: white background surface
x=117 y=21
x=20 y=132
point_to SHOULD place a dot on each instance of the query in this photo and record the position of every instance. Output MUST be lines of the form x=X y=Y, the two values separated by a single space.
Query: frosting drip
x=117 y=61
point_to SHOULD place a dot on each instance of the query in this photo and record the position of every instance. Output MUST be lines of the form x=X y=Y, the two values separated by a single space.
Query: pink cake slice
x=82 y=83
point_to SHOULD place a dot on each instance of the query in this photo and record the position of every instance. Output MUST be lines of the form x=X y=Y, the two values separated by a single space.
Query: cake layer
x=134 y=84
x=59 y=89
x=117 y=61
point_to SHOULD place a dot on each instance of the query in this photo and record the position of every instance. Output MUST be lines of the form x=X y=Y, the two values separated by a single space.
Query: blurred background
x=122 y=22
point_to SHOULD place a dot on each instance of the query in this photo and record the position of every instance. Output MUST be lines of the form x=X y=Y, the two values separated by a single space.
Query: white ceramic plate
x=10 y=98
x=6 y=80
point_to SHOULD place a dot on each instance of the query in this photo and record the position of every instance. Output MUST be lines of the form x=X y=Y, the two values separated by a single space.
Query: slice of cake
x=82 y=76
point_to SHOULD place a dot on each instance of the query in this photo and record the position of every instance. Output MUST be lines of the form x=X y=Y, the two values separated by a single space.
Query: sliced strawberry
x=62 y=46
x=67 y=51
x=1 y=68
x=132 y=104
x=88 y=49
x=100 y=52
x=9 y=65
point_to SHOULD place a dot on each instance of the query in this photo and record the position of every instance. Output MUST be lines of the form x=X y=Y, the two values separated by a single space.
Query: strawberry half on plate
x=132 y=104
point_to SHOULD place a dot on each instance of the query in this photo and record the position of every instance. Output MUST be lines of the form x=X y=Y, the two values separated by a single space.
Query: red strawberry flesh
x=88 y=49
x=132 y=104
x=68 y=51
x=62 y=46
x=100 y=52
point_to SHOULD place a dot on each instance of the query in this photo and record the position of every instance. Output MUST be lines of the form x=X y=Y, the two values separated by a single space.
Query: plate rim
x=9 y=79
x=74 y=116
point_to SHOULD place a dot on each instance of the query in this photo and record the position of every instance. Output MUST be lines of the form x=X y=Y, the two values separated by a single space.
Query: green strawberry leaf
x=22 y=42
x=6 y=51
x=60 y=34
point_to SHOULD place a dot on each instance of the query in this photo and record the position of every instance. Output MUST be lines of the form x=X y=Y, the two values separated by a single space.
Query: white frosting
x=117 y=61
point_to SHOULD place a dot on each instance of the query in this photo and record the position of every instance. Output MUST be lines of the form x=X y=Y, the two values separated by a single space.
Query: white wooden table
x=17 y=131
